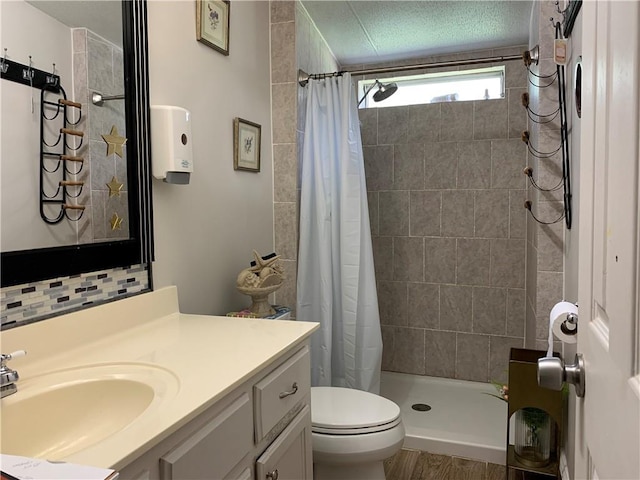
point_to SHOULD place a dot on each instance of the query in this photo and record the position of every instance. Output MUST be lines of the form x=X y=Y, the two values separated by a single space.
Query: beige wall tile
x=392 y=303
x=507 y=162
x=550 y=247
x=508 y=263
x=388 y=347
x=424 y=305
x=383 y=257
x=425 y=213
x=282 y=11
x=474 y=164
x=440 y=260
x=393 y=124
x=408 y=350
x=472 y=357
x=473 y=262
x=424 y=123
x=456 y=308
x=499 y=349
x=408 y=166
x=490 y=119
x=440 y=165
x=457 y=213
x=456 y=121
x=517 y=214
x=530 y=326
x=372 y=203
x=531 y=274
x=369 y=125
x=283 y=53
x=515 y=75
x=284 y=112
x=549 y=292
x=517 y=113
x=408 y=261
x=285 y=168
x=516 y=299
x=286 y=294
x=378 y=167
x=492 y=213
x=286 y=230
x=542 y=328
x=394 y=213
x=489 y=310
x=471 y=188
x=440 y=353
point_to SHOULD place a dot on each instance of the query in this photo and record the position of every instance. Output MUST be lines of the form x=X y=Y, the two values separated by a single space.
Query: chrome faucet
x=8 y=376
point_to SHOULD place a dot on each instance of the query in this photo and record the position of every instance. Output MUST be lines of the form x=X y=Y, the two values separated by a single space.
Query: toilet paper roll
x=558 y=317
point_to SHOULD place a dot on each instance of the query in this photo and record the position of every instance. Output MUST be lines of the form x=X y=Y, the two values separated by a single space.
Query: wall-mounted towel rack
x=56 y=116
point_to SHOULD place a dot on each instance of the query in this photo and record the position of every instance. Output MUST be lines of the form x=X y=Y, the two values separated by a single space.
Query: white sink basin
x=61 y=413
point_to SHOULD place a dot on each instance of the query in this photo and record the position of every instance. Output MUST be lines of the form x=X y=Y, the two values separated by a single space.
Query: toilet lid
x=345 y=409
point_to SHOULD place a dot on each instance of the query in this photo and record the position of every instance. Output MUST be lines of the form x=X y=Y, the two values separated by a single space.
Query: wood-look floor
x=416 y=465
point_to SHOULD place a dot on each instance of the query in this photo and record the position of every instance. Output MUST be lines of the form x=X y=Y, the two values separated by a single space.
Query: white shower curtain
x=336 y=279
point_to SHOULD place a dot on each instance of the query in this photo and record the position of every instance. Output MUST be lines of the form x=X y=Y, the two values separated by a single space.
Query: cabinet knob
x=273 y=475
x=294 y=389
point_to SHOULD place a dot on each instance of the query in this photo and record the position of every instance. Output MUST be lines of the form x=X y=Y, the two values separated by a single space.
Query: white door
x=608 y=418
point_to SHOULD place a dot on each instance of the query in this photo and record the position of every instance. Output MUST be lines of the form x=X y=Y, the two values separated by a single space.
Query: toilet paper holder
x=553 y=373
x=570 y=325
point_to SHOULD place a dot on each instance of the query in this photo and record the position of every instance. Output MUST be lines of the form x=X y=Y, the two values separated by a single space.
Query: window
x=478 y=84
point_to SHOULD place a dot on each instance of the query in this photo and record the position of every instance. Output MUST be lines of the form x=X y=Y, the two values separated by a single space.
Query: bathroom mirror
x=117 y=30
x=570 y=15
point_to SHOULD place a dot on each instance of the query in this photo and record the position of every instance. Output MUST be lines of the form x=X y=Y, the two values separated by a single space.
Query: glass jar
x=532 y=437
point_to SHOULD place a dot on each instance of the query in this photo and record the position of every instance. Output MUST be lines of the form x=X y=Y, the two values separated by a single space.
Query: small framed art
x=212 y=24
x=246 y=145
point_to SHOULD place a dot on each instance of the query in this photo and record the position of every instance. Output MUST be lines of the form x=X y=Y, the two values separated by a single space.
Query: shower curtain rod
x=303 y=77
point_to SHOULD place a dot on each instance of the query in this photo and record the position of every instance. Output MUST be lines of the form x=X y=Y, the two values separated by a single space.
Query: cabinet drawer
x=215 y=449
x=289 y=456
x=280 y=391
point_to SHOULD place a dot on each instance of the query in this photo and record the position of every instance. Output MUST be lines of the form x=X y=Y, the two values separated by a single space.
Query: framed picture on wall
x=246 y=145
x=212 y=24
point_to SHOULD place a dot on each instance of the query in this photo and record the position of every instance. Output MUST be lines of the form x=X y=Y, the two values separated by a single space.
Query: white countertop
x=208 y=356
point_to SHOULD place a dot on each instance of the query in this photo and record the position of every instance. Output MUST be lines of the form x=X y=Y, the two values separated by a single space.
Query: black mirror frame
x=26 y=266
x=570 y=16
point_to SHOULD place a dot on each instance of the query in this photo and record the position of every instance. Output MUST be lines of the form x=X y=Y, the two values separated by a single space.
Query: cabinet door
x=289 y=456
x=214 y=450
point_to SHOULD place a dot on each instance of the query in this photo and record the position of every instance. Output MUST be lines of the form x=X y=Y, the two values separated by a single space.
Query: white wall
x=20 y=157
x=205 y=231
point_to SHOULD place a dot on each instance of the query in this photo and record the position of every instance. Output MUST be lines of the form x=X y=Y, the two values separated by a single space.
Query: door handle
x=552 y=373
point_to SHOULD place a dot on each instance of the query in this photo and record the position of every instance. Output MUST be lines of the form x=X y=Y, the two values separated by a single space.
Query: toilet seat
x=344 y=411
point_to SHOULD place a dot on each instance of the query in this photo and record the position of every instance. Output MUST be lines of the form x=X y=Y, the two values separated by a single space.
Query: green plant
x=503 y=391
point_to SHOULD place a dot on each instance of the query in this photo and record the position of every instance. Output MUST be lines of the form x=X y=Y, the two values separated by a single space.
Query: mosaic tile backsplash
x=29 y=302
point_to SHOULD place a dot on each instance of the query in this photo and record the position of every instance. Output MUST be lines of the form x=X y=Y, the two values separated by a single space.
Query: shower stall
x=456 y=257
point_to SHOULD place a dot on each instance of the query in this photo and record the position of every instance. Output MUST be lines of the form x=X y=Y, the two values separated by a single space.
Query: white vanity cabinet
x=261 y=430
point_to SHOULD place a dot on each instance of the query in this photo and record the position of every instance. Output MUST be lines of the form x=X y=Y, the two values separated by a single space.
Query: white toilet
x=352 y=433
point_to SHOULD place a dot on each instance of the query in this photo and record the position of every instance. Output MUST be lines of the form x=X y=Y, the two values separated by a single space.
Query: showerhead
x=384 y=91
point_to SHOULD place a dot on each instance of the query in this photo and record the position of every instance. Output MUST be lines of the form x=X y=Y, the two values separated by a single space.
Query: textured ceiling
x=361 y=31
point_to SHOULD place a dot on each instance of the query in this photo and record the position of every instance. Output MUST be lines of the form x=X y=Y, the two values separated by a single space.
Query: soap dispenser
x=171 y=150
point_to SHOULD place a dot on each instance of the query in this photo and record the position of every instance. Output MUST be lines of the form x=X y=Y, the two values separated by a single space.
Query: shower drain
x=421 y=407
